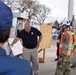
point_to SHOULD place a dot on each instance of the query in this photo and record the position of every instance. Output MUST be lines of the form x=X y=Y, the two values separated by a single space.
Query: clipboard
x=17 y=47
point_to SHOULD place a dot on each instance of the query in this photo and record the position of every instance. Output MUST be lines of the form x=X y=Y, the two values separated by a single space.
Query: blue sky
x=59 y=8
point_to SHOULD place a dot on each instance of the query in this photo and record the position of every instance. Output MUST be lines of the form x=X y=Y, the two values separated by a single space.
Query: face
x=64 y=27
x=27 y=26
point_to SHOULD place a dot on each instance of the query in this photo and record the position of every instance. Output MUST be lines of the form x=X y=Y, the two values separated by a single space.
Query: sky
x=59 y=8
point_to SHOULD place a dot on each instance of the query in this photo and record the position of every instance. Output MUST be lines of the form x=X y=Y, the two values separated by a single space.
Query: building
x=18 y=23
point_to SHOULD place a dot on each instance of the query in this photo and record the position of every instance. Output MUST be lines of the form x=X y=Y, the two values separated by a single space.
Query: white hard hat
x=60 y=25
x=64 y=22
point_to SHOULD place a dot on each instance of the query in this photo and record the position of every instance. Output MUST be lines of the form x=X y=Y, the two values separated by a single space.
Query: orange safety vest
x=71 y=44
x=60 y=45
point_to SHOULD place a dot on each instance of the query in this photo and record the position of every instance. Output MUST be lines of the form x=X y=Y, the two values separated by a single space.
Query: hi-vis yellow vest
x=75 y=40
x=71 y=44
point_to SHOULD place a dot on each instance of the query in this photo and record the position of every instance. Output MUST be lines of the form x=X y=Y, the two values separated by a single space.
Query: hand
x=11 y=45
x=37 y=46
x=60 y=60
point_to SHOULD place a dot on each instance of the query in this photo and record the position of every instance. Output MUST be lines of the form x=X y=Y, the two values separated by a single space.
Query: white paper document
x=17 y=47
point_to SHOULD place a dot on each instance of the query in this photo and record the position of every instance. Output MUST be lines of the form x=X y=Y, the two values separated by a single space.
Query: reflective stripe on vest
x=60 y=46
x=74 y=39
x=70 y=50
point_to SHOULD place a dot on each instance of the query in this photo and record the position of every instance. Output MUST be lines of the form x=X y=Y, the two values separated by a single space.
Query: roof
x=55 y=24
x=20 y=15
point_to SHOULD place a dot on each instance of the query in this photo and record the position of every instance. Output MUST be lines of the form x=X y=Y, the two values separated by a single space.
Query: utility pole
x=70 y=9
x=70 y=13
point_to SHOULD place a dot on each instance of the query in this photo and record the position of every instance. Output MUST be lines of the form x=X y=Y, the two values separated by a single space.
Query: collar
x=2 y=51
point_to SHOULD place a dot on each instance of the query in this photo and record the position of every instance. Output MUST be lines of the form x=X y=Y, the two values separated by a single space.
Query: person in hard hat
x=75 y=40
x=72 y=59
x=63 y=64
x=58 y=41
x=10 y=65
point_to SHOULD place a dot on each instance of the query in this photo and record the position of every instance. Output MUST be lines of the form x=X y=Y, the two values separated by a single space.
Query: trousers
x=63 y=68
x=32 y=54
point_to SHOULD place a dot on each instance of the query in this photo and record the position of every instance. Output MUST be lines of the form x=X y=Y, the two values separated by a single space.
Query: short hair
x=4 y=35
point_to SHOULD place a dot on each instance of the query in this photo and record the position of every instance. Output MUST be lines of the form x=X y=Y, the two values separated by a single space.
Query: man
x=72 y=60
x=75 y=40
x=57 y=52
x=63 y=65
x=58 y=41
x=30 y=45
x=9 y=65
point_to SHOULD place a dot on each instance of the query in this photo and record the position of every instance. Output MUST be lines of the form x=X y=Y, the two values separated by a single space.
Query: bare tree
x=13 y=4
x=32 y=7
x=42 y=14
x=29 y=6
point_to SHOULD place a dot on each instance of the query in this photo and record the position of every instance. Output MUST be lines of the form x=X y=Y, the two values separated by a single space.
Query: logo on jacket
x=32 y=33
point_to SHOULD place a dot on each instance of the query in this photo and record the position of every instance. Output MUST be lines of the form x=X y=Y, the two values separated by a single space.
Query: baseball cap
x=6 y=17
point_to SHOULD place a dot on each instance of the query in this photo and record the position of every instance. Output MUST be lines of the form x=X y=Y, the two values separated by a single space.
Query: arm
x=17 y=38
x=58 y=36
x=40 y=38
x=14 y=41
x=58 y=40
